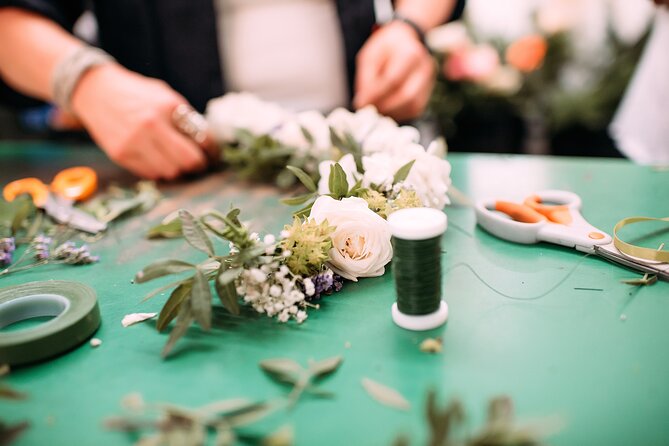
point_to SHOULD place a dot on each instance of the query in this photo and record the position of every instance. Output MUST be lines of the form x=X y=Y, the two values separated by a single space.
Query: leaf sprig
x=191 y=299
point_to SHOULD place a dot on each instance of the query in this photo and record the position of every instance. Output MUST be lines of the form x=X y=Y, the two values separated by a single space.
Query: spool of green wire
x=416 y=239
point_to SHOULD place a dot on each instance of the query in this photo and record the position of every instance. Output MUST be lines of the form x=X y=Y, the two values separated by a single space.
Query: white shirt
x=641 y=124
x=286 y=51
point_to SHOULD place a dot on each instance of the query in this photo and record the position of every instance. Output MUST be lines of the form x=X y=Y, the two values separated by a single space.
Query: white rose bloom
x=347 y=162
x=358 y=124
x=361 y=239
x=291 y=134
x=380 y=168
x=430 y=178
x=243 y=111
x=387 y=136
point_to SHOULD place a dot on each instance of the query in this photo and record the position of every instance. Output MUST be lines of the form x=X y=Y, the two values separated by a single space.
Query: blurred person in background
x=641 y=124
x=302 y=54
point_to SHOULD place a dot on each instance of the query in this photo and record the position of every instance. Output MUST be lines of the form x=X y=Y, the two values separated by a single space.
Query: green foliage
x=117 y=201
x=191 y=299
x=309 y=244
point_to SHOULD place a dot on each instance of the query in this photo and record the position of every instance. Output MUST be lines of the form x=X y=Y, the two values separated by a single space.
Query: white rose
x=358 y=124
x=361 y=239
x=347 y=162
x=380 y=169
x=387 y=136
x=430 y=177
x=291 y=134
x=243 y=111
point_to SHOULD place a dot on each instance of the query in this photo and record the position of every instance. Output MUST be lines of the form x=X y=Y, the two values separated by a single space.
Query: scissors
x=554 y=216
x=57 y=199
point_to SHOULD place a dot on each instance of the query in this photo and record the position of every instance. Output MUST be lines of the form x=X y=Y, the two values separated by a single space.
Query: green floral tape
x=657 y=255
x=76 y=312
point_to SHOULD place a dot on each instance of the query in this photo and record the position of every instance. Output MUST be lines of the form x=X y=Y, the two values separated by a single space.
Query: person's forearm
x=426 y=13
x=31 y=48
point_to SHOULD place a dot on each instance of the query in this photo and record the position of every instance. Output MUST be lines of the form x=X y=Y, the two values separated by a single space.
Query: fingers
x=392 y=69
x=178 y=149
x=395 y=73
x=411 y=98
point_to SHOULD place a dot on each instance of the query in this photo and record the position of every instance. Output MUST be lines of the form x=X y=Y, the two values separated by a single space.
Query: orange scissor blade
x=556 y=213
x=519 y=212
x=37 y=190
x=75 y=183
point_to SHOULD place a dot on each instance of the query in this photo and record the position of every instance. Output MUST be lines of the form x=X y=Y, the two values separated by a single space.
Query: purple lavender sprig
x=324 y=283
x=7 y=248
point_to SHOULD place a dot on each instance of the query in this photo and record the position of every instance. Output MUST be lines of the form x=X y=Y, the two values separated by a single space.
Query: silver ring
x=191 y=123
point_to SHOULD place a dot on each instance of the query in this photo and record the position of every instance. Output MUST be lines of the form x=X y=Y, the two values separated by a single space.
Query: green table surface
x=569 y=353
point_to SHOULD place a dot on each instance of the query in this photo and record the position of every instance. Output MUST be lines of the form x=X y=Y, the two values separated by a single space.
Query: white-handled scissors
x=554 y=216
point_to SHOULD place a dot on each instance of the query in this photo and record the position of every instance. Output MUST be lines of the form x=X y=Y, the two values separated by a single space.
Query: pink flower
x=474 y=64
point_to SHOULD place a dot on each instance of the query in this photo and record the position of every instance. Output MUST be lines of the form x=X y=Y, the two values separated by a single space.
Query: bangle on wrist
x=70 y=70
x=399 y=17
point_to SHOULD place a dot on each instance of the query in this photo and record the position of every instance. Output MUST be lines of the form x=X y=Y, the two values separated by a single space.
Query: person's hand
x=129 y=117
x=395 y=72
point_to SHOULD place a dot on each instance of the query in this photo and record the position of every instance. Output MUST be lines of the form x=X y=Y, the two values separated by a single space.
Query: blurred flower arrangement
x=550 y=63
x=357 y=168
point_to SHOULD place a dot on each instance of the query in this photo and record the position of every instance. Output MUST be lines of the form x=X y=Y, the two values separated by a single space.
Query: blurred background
x=515 y=76
x=537 y=76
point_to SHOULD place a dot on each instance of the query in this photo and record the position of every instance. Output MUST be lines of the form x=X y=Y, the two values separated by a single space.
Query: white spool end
x=417 y=223
x=421 y=322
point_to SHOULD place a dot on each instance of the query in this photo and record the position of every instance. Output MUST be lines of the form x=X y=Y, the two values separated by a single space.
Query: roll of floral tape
x=654 y=255
x=76 y=317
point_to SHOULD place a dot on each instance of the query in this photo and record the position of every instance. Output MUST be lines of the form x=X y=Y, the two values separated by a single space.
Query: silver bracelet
x=69 y=71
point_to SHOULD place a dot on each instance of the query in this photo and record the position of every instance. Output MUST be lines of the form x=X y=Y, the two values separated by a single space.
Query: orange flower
x=527 y=53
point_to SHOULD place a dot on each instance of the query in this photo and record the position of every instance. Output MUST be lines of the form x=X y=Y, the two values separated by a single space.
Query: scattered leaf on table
x=162 y=268
x=285 y=370
x=171 y=229
x=135 y=318
x=325 y=366
x=385 y=395
x=9 y=433
x=431 y=345
x=645 y=280
x=284 y=436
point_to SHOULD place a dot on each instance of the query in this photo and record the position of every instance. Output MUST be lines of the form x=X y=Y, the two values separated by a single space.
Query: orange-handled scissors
x=57 y=198
x=554 y=216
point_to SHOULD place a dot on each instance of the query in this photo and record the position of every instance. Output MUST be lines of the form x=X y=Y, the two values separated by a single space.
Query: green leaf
x=249 y=415
x=403 y=172
x=337 y=181
x=225 y=288
x=283 y=369
x=162 y=268
x=325 y=366
x=172 y=229
x=385 y=395
x=173 y=303
x=224 y=406
x=184 y=319
x=201 y=300
x=24 y=208
x=248 y=254
x=307 y=135
x=300 y=199
x=8 y=393
x=304 y=178
x=233 y=216
x=194 y=234
x=304 y=212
